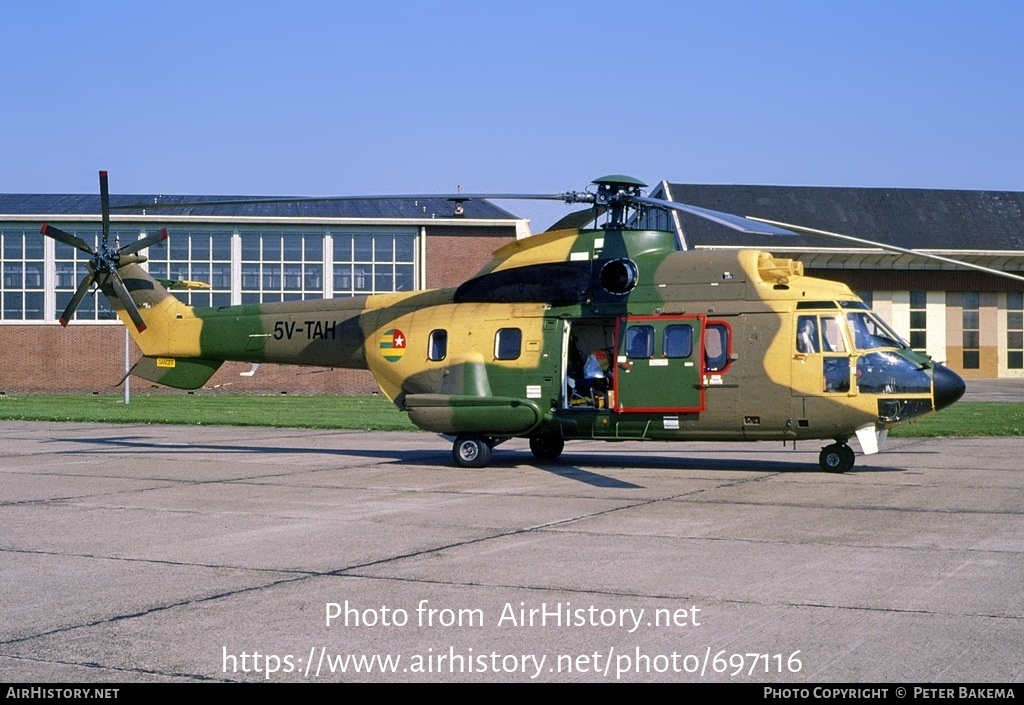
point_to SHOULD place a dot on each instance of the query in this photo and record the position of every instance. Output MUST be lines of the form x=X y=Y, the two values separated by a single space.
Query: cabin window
x=508 y=343
x=716 y=347
x=640 y=342
x=438 y=345
x=678 y=341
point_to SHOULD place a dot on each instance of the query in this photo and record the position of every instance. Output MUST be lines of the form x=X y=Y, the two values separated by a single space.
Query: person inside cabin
x=807 y=335
x=596 y=376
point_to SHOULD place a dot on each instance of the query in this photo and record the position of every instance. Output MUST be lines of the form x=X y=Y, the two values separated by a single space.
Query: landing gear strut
x=837 y=457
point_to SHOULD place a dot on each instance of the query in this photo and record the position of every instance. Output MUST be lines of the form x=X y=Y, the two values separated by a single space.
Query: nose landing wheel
x=837 y=457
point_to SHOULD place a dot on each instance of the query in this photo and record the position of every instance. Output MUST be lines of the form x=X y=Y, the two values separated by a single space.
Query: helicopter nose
x=948 y=386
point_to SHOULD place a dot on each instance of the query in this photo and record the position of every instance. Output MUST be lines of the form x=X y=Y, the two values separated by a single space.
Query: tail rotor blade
x=66 y=238
x=142 y=244
x=105 y=205
x=122 y=293
x=80 y=293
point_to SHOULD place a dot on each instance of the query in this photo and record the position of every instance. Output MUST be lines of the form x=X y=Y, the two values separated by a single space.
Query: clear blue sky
x=320 y=98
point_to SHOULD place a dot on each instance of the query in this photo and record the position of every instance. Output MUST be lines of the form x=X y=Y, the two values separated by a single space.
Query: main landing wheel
x=546 y=446
x=837 y=457
x=471 y=451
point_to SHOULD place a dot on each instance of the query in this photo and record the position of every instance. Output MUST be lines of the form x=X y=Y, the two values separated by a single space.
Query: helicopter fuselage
x=732 y=345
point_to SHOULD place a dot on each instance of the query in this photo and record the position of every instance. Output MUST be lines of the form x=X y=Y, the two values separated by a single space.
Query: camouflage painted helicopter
x=609 y=333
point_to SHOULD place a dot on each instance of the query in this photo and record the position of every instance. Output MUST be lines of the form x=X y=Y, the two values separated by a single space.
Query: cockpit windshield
x=871 y=333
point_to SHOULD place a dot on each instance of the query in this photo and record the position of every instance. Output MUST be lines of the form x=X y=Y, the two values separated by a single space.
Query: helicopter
x=608 y=332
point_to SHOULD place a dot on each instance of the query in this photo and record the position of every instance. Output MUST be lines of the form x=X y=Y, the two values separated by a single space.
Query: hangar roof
x=384 y=207
x=928 y=219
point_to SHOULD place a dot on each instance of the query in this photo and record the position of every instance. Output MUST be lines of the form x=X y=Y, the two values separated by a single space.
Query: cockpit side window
x=824 y=334
x=831 y=334
x=807 y=340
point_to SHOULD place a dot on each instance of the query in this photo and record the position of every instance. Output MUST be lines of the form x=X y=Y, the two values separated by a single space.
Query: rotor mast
x=616 y=193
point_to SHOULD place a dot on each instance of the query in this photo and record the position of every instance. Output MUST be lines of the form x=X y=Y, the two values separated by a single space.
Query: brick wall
x=455 y=255
x=86 y=358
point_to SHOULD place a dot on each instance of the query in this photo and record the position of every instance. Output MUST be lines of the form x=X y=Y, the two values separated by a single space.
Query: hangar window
x=369 y=263
x=918 y=320
x=200 y=256
x=508 y=343
x=21 y=261
x=971 y=330
x=1015 y=330
x=282 y=266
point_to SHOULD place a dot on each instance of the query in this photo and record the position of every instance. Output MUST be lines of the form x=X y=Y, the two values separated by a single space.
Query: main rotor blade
x=142 y=244
x=891 y=248
x=736 y=222
x=126 y=300
x=165 y=205
x=80 y=293
x=66 y=238
x=105 y=205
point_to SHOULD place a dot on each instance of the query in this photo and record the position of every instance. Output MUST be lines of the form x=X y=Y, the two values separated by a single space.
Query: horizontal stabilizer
x=182 y=284
x=180 y=373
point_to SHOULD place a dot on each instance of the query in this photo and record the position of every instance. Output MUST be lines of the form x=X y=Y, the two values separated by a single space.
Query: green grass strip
x=968 y=418
x=375 y=413
x=370 y=413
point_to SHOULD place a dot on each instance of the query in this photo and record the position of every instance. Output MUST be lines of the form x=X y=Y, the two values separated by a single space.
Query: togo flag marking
x=392 y=345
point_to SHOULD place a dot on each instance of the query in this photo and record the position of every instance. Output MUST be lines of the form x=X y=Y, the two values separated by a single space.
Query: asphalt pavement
x=1008 y=390
x=137 y=553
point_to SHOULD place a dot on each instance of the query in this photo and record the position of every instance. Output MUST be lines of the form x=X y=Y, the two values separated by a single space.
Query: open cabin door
x=659 y=364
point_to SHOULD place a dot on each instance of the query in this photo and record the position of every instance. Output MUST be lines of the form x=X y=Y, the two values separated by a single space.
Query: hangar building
x=278 y=252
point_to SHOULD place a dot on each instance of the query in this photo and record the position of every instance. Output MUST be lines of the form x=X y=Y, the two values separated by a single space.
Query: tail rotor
x=106 y=260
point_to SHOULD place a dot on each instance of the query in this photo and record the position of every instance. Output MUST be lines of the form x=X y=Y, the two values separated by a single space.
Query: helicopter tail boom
x=183 y=346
